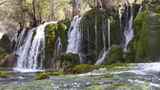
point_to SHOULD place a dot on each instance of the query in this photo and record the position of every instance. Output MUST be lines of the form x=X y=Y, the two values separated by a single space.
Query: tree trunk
x=76 y=7
x=34 y=23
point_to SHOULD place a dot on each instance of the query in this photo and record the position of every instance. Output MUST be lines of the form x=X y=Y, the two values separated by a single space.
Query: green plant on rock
x=83 y=68
x=4 y=74
x=65 y=61
x=41 y=75
x=141 y=43
x=50 y=39
x=115 y=55
x=63 y=32
x=59 y=73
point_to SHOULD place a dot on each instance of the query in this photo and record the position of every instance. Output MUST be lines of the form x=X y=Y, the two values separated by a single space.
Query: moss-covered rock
x=8 y=61
x=115 y=55
x=50 y=40
x=83 y=68
x=145 y=45
x=59 y=73
x=141 y=44
x=65 y=61
x=46 y=75
x=54 y=34
x=4 y=74
x=93 y=27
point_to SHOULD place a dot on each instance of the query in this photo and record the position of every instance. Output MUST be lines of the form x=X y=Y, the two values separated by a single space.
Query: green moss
x=55 y=73
x=50 y=39
x=63 y=32
x=2 y=54
x=83 y=68
x=62 y=26
x=40 y=76
x=45 y=75
x=52 y=33
x=139 y=48
x=4 y=74
x=141 y=28
x=93 y=25
x=115 y=55
x=66 y=61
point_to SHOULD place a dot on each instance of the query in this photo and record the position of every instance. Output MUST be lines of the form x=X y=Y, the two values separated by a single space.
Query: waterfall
x=1 y=35
x=74 y=36
x=19 y=38
x=31 y=53
x=58 y=46
x=128 y=32
x=102 y=57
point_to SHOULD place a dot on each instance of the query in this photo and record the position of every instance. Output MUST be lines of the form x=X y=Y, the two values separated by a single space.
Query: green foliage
x=4 y=74
x=50 y=39
x=52 y=33
x=40 y=76
x=66 y=61
x=115 y=55
x=46 y=75
x=141 y=40
x=63 y=32
x=59 y=73
x=83 y=68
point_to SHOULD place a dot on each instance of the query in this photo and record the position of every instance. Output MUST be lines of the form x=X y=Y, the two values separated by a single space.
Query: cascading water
x=128 y=29
x=74 y=36
x=58 y=48
x=19 y=38
x=31 y=54
x=105 y=52
x=1 y=34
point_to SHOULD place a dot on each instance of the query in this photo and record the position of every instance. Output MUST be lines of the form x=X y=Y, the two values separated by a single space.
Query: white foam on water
x=31 y=53
x=74 y=36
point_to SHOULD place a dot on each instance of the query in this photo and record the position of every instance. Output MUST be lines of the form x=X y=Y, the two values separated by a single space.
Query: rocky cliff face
x=103 y=27
x=145 y=45
x=7 y=35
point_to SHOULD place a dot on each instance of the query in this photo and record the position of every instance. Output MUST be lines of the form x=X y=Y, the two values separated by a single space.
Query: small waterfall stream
x=31 y=54
x=1 y=34
x=74 y=36
x=128 y=32
x=105 y=51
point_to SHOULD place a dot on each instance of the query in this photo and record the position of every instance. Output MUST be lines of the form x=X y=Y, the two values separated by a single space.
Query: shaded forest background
x=30 y=13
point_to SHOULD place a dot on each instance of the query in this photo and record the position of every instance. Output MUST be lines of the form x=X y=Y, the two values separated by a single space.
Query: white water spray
x=128 y=32
x=74 y=36
x=31 y=54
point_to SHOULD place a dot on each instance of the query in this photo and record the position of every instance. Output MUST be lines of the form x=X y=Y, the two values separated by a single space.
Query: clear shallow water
x=136 y=77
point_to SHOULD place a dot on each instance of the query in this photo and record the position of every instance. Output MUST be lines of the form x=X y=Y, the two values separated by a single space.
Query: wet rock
x=8 y=61
x=5 y=43
x=63 y=62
